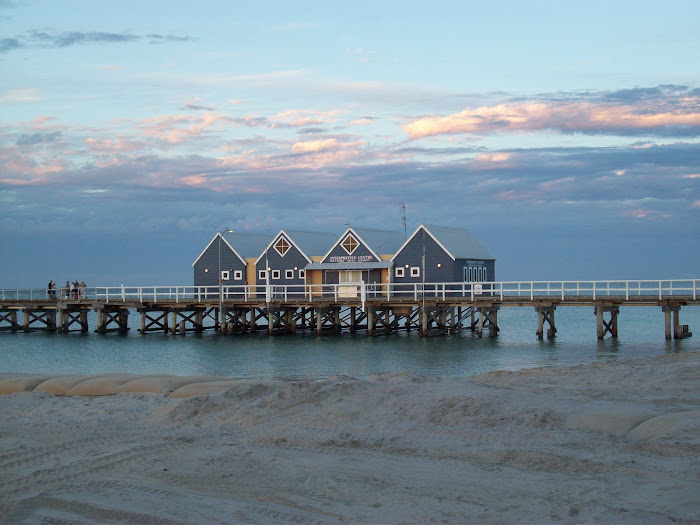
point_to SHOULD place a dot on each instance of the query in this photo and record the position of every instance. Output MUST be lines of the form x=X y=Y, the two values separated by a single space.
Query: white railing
x=563 y=290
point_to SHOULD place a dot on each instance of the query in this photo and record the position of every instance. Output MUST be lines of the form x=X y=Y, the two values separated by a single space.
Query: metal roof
x=246 y=245
x=380 y=241
x=312 y=243
x=459 y=242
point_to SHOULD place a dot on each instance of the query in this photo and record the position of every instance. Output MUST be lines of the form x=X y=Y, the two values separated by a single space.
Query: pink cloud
x=585 y=117
x=315 y=146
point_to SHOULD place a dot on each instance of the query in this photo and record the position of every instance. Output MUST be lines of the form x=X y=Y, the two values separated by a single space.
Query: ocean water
x=306 y=356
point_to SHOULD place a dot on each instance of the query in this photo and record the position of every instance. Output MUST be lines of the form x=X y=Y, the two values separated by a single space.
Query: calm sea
x=307 y=356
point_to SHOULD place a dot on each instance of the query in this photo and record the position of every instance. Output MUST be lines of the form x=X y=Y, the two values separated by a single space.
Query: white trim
x=280 y=239
x=287 y=272
x=238 y=275
x=262 y=275
x=397 y=270
x=225 y=275
x=415 y=271
x=302 y=273
x=357 y=238
x=212 y=242
x=431 y=235
x=273 y=272
x=291 y=241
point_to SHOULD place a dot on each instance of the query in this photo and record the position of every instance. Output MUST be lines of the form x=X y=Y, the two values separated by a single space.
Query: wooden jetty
x=423 y=308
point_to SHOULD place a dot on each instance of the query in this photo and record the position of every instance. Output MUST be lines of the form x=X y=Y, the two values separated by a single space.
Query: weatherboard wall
x=206 y=267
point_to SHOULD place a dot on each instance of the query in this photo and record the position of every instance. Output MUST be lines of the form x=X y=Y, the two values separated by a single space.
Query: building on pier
x=432 y=254
x=230 y=257
x=438 y=254
x=358 y=255
x=287 y=256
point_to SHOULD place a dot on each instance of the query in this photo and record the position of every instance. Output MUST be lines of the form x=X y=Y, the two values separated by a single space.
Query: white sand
x=607 y=442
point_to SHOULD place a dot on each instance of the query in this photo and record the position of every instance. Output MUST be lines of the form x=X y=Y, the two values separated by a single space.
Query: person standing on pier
x=83 y=290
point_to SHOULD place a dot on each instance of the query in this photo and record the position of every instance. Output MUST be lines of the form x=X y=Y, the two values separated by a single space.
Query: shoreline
x=607 y=441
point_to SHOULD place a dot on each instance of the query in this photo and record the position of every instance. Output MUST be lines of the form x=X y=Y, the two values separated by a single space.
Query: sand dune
x=608 y=442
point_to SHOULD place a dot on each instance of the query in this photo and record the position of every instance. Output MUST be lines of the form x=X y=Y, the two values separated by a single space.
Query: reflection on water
x=307 y=356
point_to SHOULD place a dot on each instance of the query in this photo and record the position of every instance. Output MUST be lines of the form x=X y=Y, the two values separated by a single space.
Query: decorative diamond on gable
x=350 y=244
x=282 y=246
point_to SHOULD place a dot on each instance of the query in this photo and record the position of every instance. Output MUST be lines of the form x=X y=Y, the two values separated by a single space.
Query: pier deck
x=427 y=308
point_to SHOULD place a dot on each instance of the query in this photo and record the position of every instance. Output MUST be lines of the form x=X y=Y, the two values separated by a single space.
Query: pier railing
x=528 y=290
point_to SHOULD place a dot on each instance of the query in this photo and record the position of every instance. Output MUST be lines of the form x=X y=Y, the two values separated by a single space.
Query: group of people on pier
x=71 y=290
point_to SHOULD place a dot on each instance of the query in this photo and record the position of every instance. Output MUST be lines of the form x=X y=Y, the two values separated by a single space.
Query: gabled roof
x=459 y=243
x=308 y=243
x=376 y=241
x=243 y=245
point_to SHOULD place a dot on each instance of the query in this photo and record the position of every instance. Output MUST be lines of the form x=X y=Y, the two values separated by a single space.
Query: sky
x=564 y=135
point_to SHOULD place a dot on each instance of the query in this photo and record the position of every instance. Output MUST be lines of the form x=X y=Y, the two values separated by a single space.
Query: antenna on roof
x=403 y=217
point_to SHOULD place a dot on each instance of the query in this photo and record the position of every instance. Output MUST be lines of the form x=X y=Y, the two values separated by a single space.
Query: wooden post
x=353 y=319
x=667 y=321
x=599 y=321
x=676 y=323
x=370 y=322
x=493 y=328
x=60 y=320
x=173 y=322
x=252 y=326
x=540 y=324
x=319 y=320
x=182 y=327
x=143 y=322
x=124 y=320
x=270 y=321
x=83 y=320
x=198 y=318
x=480 y=326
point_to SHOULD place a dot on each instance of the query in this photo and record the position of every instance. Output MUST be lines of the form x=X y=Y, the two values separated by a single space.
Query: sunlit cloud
x=683 y=119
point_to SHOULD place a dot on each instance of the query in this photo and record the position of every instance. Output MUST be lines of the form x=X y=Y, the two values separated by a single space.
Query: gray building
x=452 y=255
x=288 y=254
x=358 y=255
x=228 y=254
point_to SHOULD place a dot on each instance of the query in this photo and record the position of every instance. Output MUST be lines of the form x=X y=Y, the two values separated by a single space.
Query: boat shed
x=359 y=255
x=451 y=255
x=231 y=255
x=287 y=256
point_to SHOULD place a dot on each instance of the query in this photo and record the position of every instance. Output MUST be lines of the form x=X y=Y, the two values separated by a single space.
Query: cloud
x=16 y=96
x=37 y=138
x=315 y=146
x=661 y=111
x=36 y=38
x=9 y=44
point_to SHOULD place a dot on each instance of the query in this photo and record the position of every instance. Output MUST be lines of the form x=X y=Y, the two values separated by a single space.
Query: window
x=282 y=246
x=415 y=271
x=262 y=275
x=475 y=274
x=224 y=275
x=398 y=272
x=237 y=275
x=275 y=274
x=289 y=274
x=302 y=274
x=350 y=244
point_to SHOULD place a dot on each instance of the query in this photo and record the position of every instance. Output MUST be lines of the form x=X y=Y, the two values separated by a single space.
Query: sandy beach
x=613 y=442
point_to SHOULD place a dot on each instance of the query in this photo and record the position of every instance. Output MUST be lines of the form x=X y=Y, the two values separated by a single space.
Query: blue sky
x=563 y=134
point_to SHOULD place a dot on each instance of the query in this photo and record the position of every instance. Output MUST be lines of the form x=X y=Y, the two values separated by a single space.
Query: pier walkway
x=427 y=308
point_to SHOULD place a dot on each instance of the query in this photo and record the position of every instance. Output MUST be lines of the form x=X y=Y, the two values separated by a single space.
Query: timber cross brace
x=545 y=313
x=606 y=327
x=488 y=317
x=105 y=318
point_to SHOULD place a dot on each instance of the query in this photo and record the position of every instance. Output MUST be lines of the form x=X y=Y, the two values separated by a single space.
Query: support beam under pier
x=545 y=313
x=680 y=331
x=604 y=327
